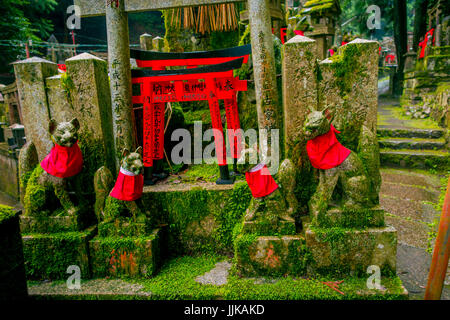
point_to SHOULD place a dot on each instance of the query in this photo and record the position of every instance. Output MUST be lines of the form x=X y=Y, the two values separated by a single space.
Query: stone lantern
x=323 y=16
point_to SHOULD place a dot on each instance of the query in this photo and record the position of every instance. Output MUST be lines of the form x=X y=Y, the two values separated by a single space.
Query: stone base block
x=47 y=256
x=337 y=217
x=265 y=227
x=83 y=219
x=48 y=224
x=269 y=255
x=122 y=228
x=126 y=256
x=352 y=251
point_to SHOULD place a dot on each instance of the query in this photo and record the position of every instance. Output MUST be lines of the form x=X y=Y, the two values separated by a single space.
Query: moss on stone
x=47 y=256
x=6 y=213
x=199 y=220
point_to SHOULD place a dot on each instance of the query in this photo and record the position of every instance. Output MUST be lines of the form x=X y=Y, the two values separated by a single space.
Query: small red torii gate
x=212 y=82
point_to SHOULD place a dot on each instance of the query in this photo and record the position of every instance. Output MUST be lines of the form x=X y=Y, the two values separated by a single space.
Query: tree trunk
x=400 y=38
x=420 y=21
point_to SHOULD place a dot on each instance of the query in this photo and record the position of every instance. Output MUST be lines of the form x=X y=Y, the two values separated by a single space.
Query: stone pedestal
x=343 y=251
x=346 y=218
x=267 y=227
x=48 y=256
x=126 y=256
x=269 y=255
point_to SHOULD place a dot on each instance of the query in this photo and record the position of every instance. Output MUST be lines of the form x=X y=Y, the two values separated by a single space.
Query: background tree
x=401 y=42
x=20 y=21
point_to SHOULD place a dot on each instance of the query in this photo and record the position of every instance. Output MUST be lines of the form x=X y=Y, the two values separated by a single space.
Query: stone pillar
x=120 y=76
x=91 y=102
x=299 y=92
x=267 y=100
x=146 y=42
x=158 y=44
x=349 y=87
x=30 y=77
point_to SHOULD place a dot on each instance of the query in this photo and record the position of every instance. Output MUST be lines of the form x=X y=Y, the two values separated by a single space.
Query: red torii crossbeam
x=194 y=84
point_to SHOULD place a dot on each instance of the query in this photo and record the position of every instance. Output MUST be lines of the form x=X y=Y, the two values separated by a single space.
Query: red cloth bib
x=325 y=151
x=63 y=162
x=260 y=181
x=423 y=44
x=128 y=186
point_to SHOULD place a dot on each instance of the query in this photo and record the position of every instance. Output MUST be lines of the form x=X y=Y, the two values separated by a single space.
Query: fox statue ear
x=52 y=126
x=139 y=150
x=75 y=123
x=125 y=152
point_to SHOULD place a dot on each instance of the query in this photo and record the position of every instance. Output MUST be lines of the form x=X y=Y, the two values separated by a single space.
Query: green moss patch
x=47 y=256
x=176 y=281
x=200 y=220
x=6 y=213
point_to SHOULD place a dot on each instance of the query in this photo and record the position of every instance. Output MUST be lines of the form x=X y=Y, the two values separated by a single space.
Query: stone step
x=412 y=143
x=384 y=131
x=423 y=159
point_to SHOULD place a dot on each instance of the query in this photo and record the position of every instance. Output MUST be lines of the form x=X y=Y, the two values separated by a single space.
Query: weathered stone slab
x=30 y=77
x=122 y=228
x=146 y=41
x=299 y=93
x=129 y=256
x=89 y=95
x=269 y=255
x=349 y=88
x=29 y=224
x=47 y=256
x=352 y=251
x=361 y=218
x=282 y=227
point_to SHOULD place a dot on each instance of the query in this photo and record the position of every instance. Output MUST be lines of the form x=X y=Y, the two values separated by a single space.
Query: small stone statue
x=122 y=201
x=274 y=204
x=350 y=180
x=55 y=172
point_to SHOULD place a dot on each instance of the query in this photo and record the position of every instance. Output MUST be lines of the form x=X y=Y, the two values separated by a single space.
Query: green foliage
x=20 y=21
x=6 y=212
x=35 y=194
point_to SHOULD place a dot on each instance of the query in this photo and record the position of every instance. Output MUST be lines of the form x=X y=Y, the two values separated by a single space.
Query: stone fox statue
x=273 y=201
x=55 y=173
x=355 y=176
x=124 y=199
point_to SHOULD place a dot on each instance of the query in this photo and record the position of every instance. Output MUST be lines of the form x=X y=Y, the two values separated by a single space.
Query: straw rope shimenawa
x=206 y=19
